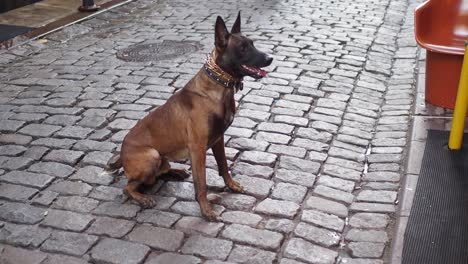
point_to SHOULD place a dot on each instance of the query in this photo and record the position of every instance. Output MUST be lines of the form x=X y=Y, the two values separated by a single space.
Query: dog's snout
x=268 y=60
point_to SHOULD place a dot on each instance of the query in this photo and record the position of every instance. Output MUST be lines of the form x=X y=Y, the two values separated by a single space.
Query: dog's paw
x=236 y=186
x=147 y=202
x=212 y=216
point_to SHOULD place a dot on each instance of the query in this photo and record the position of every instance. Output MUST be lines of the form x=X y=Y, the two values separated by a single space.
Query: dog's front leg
x=223 y=170
x=198 y=160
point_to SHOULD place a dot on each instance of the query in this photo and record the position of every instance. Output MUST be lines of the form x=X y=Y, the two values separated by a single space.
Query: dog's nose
x=268 y=60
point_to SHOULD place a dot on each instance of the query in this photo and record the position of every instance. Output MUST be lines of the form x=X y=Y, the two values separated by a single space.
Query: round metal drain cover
x=167 y=49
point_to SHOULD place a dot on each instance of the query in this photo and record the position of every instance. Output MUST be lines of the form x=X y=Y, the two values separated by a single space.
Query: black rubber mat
x=437 y=230
x=8 y=31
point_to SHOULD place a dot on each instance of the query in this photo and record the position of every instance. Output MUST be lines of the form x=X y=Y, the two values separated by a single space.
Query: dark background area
x=7 y=5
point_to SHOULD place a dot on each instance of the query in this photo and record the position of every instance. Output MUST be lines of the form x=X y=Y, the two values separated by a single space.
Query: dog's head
x=236 y=54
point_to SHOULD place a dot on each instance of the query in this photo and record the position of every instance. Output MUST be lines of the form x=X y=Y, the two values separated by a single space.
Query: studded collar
x=220 y=76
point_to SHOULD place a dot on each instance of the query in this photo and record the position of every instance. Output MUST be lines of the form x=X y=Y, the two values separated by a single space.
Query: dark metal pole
x=88 y=6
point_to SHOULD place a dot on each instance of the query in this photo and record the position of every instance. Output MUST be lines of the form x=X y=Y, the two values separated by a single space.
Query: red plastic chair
x=441 y=27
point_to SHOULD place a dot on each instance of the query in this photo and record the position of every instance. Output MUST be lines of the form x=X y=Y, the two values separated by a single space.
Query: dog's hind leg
x=174 y=175
x=132 y=190
x=141 y=168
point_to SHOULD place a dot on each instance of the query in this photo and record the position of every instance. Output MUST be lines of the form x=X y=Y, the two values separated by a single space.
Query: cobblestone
x=360 y=261
x=243 y=254
x=196 y=225
x=367 y=236
x=11 y=125
x=44 y=198
x=237 y=201
x=14 y=163
x=305 y=251
x=16 y=192
x=369 y=220
x=341 y=172
x=256 y=237
x=327 y=206
x=277 y=208
x=292 y=163
x=64 y=143
x=59 y=259
x=241 y=217
x=15 y=139
x=68 y=221
x=337 y=183
x=27 y=178
x=322 y=219
x=243 y=168
x=74 y=132
x=280 y=225
x=155 y=237
x=257 y=157
x=69 y=243
x=290 y=192
x=273 y=137
x=373 y=207
x=106 y=193
x=157 y=217
x=173 y=258
x=116 y=209
x=23 y=235
x=287 y=150
x=18 y=255
x=52 y=168
x=296 y=177
x=70 y=157
x=111 y=227
x=207 y=247
x=93 y=175
x=377 y=196
x=12 y=150
x=76 y=203
x=382 y=176
x=39 y=130
x=255 y=186
x=334 y=194
x=117 y=251
x=366 y=249
x=70 y=188
x=193 y=208
x=248 y=144
x=317 y=235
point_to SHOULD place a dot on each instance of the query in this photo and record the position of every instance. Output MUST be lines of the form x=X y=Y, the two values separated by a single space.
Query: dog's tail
x=114 y=163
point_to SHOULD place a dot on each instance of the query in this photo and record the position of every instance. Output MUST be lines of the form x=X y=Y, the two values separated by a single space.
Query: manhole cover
x=158 y=51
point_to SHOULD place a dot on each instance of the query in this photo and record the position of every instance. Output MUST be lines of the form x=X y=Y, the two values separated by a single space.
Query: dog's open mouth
x=254 y=72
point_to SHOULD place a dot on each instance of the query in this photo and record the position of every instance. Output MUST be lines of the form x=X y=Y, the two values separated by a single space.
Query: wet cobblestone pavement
x=319 y=144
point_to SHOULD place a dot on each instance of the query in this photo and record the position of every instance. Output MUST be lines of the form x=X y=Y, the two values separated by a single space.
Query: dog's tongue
x=255 y=70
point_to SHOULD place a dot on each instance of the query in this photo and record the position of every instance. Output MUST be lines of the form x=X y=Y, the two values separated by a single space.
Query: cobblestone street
x=319 y=144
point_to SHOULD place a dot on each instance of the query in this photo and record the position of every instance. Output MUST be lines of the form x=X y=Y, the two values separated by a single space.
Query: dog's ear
x=236 y=28
x=221 y=34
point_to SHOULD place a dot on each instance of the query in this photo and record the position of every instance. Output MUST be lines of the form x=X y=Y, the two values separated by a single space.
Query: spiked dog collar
x=220 y=76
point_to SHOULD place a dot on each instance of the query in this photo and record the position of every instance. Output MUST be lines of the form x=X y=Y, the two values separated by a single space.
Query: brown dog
x=192 y=121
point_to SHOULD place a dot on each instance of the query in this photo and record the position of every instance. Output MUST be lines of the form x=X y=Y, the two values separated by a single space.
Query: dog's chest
x=229 y=109
x=220 y=120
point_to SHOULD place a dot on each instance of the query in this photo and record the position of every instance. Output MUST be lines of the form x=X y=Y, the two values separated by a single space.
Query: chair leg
x=461 y=106
x=88 y=6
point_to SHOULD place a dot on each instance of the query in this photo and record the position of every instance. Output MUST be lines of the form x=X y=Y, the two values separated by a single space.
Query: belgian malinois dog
x=192 y=121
